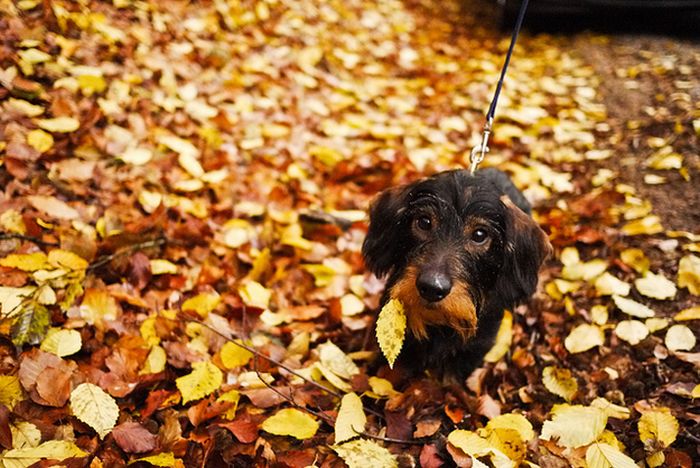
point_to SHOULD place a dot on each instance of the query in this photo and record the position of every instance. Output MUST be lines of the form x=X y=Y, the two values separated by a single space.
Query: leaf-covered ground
x=183 y=189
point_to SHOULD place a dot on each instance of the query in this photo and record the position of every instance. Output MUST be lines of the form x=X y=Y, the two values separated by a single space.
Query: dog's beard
x=456 y=311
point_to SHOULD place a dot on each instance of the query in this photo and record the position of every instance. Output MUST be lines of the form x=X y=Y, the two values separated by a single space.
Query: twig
x=388 y=439
x=36 y=240
x=105 y=259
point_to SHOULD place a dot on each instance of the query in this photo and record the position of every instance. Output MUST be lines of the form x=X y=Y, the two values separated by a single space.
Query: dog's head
x=454 y=245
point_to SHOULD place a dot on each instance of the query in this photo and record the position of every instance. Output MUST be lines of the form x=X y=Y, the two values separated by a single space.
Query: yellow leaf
x=335 y=360
x=680 y=338
x=655 y=286
x=381 y=388
x=636 y=259
x=40 y=140
x=391 y=330
x=11 y=299
x=25 y=434
x=67 y=259
x=584 y=270
x=97 y=306
x=574 y=426
x=665 y=159
x=23 y=107
x=166 y=460
x=351 y=418
x=599 y=314
x=255 y=294
x=656 y=324
x=53 y=449
x=503 y=339
x=10 y=391
x=62 y=342
x=136 y=156
x=91 y=84
x=94 y=407
x=632 y=331
x=202 y=303
x=658 y=425
x=25 y=262
x=507 y=441
x=204 y=379
x=233 y=356
x=155 y=361
x=11 y=221
x=630 y=307
x=607 y=285
x=328 y=156
x=692 y=313
x=237 y=232
x=323 y=275
x=689 y=274
x=514 y=421
x=34 y=56
x=648 y=225
x=292 y=235
x=584 y=337
x=59 y=124
x=469 y=442
x=161 y=266
x=179 y=145
x=291 y=422
x=656 y=459
x=600 y=455
x=695 y=393
x=232 y=396
x=362 y=453
x=190 y=163
x=351 y=305
x=560 y=382
x=610 y=409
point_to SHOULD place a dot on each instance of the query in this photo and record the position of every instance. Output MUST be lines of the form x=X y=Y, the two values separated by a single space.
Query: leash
x=479 y=151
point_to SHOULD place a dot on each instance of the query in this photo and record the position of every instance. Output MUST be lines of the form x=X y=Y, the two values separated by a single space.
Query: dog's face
x=453 y=243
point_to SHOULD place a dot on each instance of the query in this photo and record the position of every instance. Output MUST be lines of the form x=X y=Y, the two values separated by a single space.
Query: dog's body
x=458 y=249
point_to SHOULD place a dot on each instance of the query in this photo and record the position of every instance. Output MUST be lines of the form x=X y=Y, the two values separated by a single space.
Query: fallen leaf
x=363 y=453
x=351 y=418
x=689 y=274
x=391 y=329
x=655 y=286
x=94 y=407
x=574 y=426
x=59 y=124
x=560 y=382
x=599 y=455
x=204 y=380
x=632 y=331
x=291 y=422
x=658 y=425
x=680 y=338
x=504 y=337
x=584 y=337
x=633 y=308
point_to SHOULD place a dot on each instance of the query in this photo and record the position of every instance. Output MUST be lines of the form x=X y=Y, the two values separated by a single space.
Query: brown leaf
x=244 y=427
x=429 y=457
x=132 y=437
x=426 y=428
x=5 y=433
x=398 y=426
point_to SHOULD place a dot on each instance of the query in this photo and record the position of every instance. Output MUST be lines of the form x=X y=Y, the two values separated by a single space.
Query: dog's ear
x=527 y=247
x=382 y=245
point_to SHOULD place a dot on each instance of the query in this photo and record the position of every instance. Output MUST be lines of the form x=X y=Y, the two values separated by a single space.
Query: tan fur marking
x=456 y=311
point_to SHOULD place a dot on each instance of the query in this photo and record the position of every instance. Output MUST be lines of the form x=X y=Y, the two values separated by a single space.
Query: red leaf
x=132 y=437
x=429 y=457
x=244 y=428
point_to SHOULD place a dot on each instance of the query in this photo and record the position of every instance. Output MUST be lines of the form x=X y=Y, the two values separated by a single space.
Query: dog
x=458 y=249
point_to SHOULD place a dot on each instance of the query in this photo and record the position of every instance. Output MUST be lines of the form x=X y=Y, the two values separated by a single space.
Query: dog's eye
x=479 y=236
x=423 y=223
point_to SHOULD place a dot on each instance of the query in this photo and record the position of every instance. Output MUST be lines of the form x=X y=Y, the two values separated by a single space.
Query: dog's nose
x=433 y=285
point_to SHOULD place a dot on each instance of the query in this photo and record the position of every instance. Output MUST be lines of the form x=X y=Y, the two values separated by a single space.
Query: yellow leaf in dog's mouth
x=391 y=330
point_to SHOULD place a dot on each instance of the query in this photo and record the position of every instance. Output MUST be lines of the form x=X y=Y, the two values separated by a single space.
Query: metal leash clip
x=479 y=151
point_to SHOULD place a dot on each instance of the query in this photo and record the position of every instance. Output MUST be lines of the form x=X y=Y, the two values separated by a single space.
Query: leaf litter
x=163 y=169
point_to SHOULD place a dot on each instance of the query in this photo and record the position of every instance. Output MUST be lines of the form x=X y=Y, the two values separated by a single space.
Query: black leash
x=479 y=151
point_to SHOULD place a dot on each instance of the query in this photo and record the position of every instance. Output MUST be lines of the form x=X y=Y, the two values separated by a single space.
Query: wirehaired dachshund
x=458 y=249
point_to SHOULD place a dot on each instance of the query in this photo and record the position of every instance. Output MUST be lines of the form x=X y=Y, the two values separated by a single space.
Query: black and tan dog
x=458 y=249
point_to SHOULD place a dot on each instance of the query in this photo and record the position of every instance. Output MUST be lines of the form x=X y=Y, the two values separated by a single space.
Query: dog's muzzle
x=433 y=284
